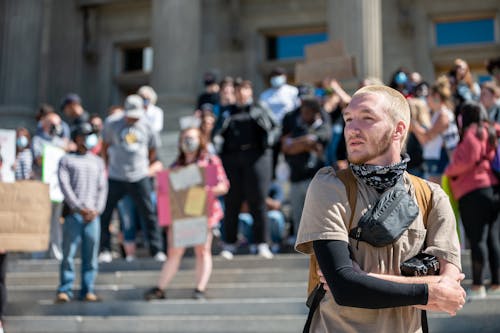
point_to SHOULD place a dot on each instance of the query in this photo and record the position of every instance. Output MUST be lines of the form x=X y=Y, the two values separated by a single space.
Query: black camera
x=420 y=265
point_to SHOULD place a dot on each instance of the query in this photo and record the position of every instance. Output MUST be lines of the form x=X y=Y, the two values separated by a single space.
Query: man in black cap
x=83 y=181
x=72 y=108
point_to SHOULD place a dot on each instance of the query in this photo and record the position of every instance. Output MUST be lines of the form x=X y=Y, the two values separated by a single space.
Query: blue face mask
x=91 y=141
x=22 y=142
x=278 y=81
x=400 y=78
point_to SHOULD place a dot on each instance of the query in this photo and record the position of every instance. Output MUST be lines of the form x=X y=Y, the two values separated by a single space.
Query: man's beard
x=379 y=149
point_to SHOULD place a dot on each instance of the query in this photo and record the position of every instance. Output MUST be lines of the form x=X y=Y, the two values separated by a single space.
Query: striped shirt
x=83 y=181
x=24 y=165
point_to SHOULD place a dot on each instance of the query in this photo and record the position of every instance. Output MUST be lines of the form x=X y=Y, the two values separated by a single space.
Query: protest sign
x=50 y=164
x=184 y=204
x=24 y=216
x=8 y=152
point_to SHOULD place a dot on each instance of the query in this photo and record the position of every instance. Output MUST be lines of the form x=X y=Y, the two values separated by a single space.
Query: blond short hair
x=396 y=105
x=148 y=92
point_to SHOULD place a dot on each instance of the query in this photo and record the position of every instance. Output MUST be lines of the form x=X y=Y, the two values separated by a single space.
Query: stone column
x=21 y=24
x=358 y=23
x=176 y=44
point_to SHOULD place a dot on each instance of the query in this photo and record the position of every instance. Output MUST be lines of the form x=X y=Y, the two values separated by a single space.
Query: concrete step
x=131 y=292
x=147 y=278
x=284 y=261
x=170 y=307
x=156 y=324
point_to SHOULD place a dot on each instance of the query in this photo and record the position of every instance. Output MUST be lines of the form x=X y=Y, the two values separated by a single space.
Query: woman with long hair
x=476 y=188
x=193 y=150
x=438 y=140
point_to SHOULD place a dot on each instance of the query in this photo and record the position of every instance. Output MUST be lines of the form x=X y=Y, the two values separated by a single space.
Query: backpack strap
x=351 y=187
x=347 y=177
x=423 y=194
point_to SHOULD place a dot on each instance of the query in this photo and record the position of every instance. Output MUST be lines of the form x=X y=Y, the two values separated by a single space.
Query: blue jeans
x=76 y=230
x=275 y=221
x=130 y=217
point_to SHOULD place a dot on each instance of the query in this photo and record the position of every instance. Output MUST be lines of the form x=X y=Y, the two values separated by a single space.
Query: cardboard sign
x=8 y=151
x=50 y=164
x=24 y=216
x=341 y=68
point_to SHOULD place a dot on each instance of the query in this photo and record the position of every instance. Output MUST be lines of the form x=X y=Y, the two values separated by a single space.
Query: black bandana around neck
x=381 y=177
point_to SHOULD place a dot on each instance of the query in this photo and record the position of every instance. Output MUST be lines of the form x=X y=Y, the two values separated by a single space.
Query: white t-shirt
x=280 y=100
x=449 y=138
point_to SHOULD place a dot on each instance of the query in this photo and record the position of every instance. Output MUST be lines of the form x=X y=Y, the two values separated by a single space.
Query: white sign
x=8 y=151
x=190 y=231
x=50 y=161
x=185 y=177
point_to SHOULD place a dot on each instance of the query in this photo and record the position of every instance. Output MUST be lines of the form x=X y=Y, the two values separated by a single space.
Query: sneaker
x=473 y=294
x=226 y=254
x=154 y=293
x=264 y=251
x=105 y=256
x=56 y=252
x=130 y=258
x=198 y=294
x=160 y=256
x=275 y=248
x=62 y=298
x=228 y=251
x=1 y=327
x=91 y=297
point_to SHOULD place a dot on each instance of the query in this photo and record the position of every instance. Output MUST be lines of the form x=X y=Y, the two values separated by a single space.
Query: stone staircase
x=247 y=294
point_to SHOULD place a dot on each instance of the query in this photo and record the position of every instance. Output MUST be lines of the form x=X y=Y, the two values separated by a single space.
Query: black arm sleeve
x=350 y=288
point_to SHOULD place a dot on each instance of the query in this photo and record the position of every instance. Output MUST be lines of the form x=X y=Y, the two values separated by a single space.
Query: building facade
x=105 y=49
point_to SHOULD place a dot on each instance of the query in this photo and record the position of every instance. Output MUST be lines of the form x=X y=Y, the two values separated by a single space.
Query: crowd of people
x=258 y=144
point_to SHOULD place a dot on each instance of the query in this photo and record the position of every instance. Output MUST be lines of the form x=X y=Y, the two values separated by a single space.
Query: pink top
x=215 y=212
x=470 y=167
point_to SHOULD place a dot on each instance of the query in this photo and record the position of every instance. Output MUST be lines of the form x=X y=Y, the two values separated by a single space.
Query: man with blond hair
x=367 y=292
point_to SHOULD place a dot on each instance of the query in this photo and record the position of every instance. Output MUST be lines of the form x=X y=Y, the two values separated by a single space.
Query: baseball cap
x=81 y=129
x=70 y=99
x=134 y=106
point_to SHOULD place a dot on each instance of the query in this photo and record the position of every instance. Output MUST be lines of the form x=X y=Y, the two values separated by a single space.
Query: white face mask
x=190 y=145
x=278 y=81
x=91 y=141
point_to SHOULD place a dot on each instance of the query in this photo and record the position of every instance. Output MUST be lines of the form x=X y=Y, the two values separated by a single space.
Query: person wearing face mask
x=193 y=150
x=51 y=125
x=281 y=98
x=153 y=113
x=129 y=149
x=82 y=178
x=247 y=133
x=23 y=167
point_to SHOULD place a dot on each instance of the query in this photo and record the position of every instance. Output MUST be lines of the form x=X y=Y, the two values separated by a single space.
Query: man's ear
x=400 y=130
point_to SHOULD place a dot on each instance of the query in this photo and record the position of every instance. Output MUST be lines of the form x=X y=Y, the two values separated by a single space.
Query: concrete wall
x=51 y=47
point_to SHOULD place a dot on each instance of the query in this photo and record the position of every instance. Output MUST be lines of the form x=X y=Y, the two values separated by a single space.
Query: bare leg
x=171 y=266
x=203 y=263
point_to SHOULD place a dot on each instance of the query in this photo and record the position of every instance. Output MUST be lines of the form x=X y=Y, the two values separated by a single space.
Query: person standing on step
x=129 y=148
x=248 y=132
x=193 y=150
x=83 y=182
